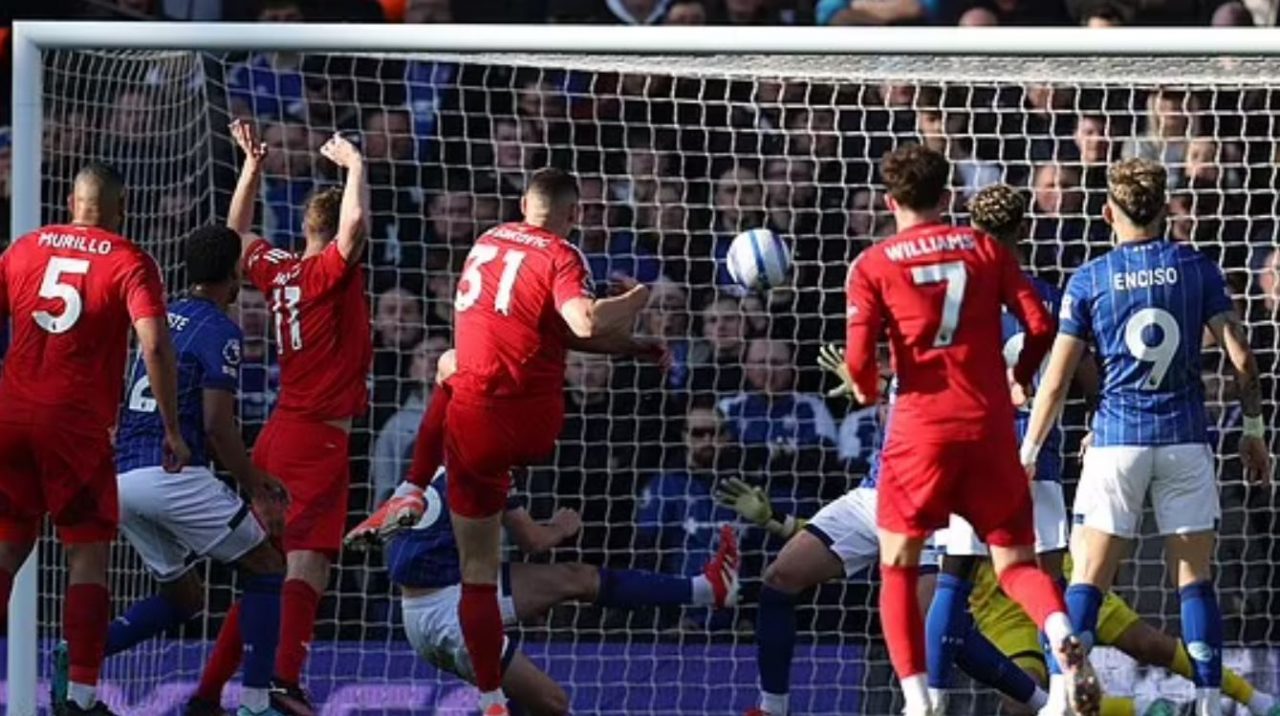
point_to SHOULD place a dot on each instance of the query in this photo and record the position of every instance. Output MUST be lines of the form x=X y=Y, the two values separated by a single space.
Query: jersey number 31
x=472 y=283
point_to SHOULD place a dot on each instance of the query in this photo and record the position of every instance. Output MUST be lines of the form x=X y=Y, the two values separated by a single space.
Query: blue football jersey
x=872 y=480
x=208 y=344
x=1049 y=464
x=1144 y=306
x=426 y=556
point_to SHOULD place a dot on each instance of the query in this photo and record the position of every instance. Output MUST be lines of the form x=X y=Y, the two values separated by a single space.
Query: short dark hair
x=321 y=217
x=105 y=180
x=212 y=253
x=554 y=186
x=915 y=176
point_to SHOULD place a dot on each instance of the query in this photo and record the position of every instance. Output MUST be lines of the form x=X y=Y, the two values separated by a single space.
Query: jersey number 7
x=956 y=277
x=472 y=282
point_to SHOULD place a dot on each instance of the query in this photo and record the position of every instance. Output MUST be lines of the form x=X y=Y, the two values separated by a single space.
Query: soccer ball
x=758 y=260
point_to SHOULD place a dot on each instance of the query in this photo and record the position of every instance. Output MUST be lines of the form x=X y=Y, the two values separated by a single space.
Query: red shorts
x=311 y=458
x=921 y=484
x=485 y=438
x=67 y=472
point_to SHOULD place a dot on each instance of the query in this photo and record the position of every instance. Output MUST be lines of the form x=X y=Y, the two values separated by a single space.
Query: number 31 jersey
x=72 y=293
x=321 y=321
x=510 y=337
x=1144 y=305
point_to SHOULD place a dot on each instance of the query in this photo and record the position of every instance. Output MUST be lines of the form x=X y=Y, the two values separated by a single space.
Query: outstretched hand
x=341 y=151
x=246 y=136
x=831 y=359
x=749 y=501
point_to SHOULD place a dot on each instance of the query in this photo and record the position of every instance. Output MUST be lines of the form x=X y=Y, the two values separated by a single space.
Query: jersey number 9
x=1162 y=353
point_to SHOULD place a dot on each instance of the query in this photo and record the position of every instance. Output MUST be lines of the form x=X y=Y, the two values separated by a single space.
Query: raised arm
x=1229 y=333
x=353 y=216
x=240 y=214
x=156 y=350
x=605 y=319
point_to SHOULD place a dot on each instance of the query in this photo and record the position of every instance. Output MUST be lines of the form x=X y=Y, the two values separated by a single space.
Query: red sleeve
x=321 y=273
x=570 y=277
x=864 y=325
x=1020 y=297
x=4 y=286
x=143 y=289
x=428 y=449
x=262 y=263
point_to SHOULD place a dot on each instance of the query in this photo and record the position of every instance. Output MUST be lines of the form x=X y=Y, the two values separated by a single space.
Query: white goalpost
x=680 y=136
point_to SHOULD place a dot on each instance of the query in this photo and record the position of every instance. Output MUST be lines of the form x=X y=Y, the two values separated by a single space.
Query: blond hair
x=1138 y=187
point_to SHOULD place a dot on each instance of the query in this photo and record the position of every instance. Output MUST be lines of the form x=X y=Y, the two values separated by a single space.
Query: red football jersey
x=72 y=293
x=322 y=329
x=509 y=334
x=938 y=290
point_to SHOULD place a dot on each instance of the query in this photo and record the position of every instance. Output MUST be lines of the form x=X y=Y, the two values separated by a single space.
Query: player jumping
x=939 y=289
x=169 y=518
x=323 y=340
x=423 y=562
x=1144 y=307
x=72 y=292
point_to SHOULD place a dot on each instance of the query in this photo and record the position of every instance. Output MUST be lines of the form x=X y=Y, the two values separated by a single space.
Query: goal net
x=675 y=155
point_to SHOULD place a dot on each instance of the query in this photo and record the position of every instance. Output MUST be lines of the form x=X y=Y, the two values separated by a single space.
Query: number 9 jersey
x=1145 y=306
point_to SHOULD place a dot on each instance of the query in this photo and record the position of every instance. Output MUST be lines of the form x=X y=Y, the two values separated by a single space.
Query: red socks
x=85 y=617
x=428 y=450
x=482 y=630
x=1034 y=590
x=901 y=620
x=298 y=605
x=224 y=660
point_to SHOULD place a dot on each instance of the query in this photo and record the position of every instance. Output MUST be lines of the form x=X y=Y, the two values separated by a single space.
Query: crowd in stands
x=671 y=168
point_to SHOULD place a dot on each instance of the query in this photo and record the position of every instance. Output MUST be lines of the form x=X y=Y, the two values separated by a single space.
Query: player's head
x=1136 y=198
x=320 y=221
x=551 y=201
x=999 y=210
x=915 y=178
x=97 y=197
x=212 y=260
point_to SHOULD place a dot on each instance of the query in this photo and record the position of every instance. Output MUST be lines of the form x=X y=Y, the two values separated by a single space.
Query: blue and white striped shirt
x=1144 y=305
x=1049 y=464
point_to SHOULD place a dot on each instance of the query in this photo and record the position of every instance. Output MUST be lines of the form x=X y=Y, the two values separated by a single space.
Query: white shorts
x=432 y=626
x=1050 y=511
x=174 y=519
x=847 y=527
x=1115 y=480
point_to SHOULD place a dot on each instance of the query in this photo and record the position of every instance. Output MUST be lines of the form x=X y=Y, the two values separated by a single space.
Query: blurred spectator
x=267 y=85
x=1268 y=282
x=751 y=12
x=717 y=355
x=688 y=12
x=259 y=371
x=428 y=11
x=393 y=449
x=610 y=253
x=770 y=412
x=439 y=299
x=667 y=317
x=398 y=235
x=287 y=182
x=6 y=180
x=1058 y=225
x=869 y=217
x=737 y=205
x=946 y=132
x=398 y=326
x=452 y=227
x=1158 y=13
x=1172 y=119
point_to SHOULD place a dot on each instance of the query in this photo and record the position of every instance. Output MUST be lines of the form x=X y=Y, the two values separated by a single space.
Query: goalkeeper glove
x=831 y=359
x=752 y=504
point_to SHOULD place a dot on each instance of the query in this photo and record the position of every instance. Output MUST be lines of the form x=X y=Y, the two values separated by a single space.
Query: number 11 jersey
x=1144 y=305
x=510 y=336
x=321 y=320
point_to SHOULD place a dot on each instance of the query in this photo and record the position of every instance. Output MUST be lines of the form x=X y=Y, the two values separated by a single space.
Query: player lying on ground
x=999 y=211
x=170 y=518
x=325 y=350
x=423 y=562
x=523 y=300
x=1144 y=307
x=73 y=291
x=940 y=289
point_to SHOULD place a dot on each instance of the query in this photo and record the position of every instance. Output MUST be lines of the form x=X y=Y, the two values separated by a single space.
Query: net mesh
x=675 y=156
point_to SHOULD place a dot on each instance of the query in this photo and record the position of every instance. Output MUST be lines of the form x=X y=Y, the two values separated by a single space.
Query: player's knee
x=263 y=559
x=186 y=594
x=784 y=577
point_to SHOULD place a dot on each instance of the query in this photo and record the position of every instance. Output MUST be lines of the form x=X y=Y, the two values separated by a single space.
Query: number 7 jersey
x=509 y=335
x=1144 y=305
x=321 y=320
x=938 y=290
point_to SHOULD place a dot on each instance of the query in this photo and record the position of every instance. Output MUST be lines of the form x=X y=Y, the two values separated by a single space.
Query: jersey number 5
x=52 y=287
x=471 y=285
x=1160 y=355
x=956 y=277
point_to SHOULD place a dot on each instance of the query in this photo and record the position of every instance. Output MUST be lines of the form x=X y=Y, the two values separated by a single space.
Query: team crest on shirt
x=231 y=352
x=1064 y=312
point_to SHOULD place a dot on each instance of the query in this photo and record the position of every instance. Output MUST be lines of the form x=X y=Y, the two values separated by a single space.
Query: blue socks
x=946 y=627
x=1083 y=603
x=260 y=628
x=145 y=619
x=628 y=589
x=775 y=640
x=1202 y=632
x=980 y=659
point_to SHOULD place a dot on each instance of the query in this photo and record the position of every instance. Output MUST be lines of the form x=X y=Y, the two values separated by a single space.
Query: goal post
x=962 y=75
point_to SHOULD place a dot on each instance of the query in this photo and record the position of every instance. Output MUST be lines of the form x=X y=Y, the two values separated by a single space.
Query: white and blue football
x=758 y=260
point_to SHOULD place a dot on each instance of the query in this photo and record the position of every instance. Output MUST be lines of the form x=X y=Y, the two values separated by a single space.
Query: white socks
x=489 y=698
x=915 y=689
x=256 y=700
x=702 y=592
x=1208 y=702
x=84 y=696
x=774 y=704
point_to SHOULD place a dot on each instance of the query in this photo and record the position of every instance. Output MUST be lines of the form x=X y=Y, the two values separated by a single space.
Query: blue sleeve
x=1217 y=300
x=220 y=360
x=649 y=511
x=1074 y=315
x=827 y=9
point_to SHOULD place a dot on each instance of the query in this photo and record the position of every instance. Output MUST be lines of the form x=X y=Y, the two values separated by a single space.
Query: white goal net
x=675 y=155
